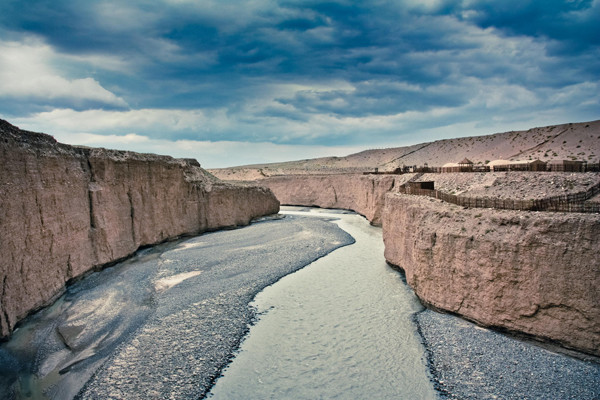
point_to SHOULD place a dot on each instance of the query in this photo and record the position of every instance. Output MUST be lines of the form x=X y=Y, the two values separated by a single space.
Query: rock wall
x=536 y=273
x=67 y=210
x=364 y=194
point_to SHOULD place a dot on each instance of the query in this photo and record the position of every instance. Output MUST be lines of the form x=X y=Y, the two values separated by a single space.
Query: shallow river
x=339 y=328
x=165 y=323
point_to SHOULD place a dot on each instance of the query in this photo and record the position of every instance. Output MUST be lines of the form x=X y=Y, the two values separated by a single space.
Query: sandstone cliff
x=66 y=210
x=536 y=273
x=364 y=194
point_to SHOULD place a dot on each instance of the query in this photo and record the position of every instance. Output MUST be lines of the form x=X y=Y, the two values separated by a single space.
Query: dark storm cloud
x=379 y=98
x=572 y=22
x=267 y=69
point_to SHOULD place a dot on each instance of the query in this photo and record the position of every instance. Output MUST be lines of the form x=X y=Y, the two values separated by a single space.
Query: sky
x=233 y=82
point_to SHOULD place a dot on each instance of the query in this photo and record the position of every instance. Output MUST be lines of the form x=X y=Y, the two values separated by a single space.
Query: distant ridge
x=570 y=141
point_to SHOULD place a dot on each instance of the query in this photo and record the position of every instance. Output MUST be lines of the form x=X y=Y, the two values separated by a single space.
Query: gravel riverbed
x=471 y=362
x=165 y=323
x=162 y=324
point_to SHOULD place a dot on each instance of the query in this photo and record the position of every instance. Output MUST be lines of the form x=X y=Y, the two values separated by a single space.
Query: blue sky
x=235 y=82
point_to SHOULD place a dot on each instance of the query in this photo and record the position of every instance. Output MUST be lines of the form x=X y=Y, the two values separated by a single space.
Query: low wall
x=67 y=210
x=574 y=202
x=536 y=273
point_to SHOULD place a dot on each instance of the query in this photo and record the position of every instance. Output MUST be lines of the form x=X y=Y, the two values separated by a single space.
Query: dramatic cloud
x=27 y=76
x=295 y=73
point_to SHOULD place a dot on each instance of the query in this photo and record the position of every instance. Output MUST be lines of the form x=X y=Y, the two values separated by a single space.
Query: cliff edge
x=528 y=272
x=535 y=273
x=66 y=210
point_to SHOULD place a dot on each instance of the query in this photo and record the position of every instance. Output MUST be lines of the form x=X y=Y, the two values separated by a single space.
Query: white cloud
x=26 y=71
x=504 y=97
x=210 y=154
x=159 y=122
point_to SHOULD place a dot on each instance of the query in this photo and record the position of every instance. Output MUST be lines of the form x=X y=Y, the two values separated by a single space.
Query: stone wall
x=535 y=273
x=67 y=210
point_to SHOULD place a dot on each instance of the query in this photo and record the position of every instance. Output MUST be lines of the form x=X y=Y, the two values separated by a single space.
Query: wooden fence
x=591 y=167
x=575 y=202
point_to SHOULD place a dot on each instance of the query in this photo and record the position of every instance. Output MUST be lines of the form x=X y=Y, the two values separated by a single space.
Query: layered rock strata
x=67 y=210
x=364 y=194
x=536 y=273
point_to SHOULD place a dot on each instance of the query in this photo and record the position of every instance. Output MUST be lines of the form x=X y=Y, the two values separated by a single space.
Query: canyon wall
x=67 y=210
x=536 y=273
x=364 y=194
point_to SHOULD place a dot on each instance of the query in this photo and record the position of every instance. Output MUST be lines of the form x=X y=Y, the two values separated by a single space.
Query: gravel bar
x=471 y=362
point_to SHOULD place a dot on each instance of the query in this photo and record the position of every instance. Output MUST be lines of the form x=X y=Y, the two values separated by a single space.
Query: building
x=465 y=165
x=428 y=185
x=450 y=167
x=517 y=165
x=566 y=166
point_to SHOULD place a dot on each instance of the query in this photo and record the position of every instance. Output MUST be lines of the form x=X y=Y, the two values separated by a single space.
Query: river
x=339 y=328
x=328 y=318
x=165 y=323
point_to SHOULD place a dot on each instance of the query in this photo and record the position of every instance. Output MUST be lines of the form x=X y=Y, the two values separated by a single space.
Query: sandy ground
x=576 y=141
x=513 y=185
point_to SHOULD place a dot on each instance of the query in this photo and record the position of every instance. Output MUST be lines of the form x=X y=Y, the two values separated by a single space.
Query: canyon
x=530 y=273
x=65 y=211
x=535 y=273
x=68 y=210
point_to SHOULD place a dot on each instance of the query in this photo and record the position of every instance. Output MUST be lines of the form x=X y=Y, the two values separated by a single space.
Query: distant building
x=466 y=165
x=417 y=187
x=450 y=167
x=567 y=166
x=429 y=185
x=517 y=165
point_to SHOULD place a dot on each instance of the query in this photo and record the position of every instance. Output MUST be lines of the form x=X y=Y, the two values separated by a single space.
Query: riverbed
x=162 y=324
x=339 y=328
x=298 y=306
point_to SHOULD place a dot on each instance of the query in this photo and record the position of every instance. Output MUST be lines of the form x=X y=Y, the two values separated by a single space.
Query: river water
x=165 y=323
x=339 y=328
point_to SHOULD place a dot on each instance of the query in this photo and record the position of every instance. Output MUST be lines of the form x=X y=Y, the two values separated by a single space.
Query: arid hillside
x=573 y=141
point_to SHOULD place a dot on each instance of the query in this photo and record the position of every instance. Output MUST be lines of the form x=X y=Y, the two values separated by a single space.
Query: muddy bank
x=67 y=210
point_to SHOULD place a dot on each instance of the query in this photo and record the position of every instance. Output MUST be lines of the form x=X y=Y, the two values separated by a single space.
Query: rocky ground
x=162 y=325
x=473 y=363
x=513 y=185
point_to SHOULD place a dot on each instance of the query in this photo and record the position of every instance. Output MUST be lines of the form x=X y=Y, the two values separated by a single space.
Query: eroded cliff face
x=364 y=194
x=66 y=210
x=536 y=273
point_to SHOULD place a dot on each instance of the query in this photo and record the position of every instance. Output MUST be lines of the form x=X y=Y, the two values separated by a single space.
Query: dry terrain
x=573 y=141
x=535 y=273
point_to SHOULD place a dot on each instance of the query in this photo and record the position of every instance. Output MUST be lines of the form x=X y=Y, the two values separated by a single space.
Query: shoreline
x=146 y=338
x=467 y=361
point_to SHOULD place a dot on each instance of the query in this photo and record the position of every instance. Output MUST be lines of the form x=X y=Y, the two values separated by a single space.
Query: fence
x=575 y=202
x=579 y=167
